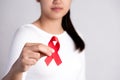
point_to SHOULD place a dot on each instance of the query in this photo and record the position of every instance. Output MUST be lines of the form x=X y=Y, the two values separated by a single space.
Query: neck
x=50 y=26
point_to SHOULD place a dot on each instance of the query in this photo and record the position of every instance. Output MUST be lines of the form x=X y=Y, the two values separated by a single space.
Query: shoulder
x=26 y=32
x=26 y=28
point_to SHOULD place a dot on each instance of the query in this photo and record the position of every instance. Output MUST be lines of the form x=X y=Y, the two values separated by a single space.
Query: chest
x=70 y=66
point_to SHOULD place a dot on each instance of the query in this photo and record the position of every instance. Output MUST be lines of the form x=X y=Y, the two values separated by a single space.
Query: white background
x=97 y=20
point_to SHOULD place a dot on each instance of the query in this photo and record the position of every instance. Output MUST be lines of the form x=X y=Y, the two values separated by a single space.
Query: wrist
x=15 y=75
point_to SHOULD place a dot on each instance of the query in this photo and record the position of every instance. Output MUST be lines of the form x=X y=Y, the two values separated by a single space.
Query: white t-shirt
x=73 y=61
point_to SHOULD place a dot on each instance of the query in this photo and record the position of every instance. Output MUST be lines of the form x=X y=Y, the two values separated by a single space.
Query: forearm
x=13 y=75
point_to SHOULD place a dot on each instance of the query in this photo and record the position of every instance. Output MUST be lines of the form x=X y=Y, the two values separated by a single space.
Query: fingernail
x=52 y=50
x=50 y=54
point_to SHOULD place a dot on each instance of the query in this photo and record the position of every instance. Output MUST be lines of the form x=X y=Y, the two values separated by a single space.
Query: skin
x=52 y=12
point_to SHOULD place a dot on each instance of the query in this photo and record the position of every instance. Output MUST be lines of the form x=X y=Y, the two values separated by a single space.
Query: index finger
x=38 y=47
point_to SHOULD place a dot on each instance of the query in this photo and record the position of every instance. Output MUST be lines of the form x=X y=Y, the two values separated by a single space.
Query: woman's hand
x=30 y=54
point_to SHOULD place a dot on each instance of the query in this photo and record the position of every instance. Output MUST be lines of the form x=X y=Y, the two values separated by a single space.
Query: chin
x=56 y=16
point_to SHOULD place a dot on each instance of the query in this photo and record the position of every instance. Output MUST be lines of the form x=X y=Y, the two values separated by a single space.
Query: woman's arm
x=30 y=54
x=13 y=75
x=23 y=55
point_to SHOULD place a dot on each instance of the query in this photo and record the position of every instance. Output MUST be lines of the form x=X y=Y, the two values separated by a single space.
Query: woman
x=31 y=47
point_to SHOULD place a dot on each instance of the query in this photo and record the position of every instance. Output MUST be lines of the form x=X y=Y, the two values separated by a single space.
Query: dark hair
x=69 y=28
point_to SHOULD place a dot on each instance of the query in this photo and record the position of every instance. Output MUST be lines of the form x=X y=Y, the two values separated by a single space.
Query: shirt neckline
x=46 y=33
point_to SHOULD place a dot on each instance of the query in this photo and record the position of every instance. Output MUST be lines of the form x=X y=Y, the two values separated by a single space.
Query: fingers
x=35 y=51
x=34 y=55
x=31 y=53
x=43 y=49
x=29 y=61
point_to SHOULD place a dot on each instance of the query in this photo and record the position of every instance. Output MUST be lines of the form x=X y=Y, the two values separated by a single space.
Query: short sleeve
x=82 y=72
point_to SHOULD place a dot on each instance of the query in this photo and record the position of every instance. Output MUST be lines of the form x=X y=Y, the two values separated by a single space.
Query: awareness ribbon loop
x=54 y=55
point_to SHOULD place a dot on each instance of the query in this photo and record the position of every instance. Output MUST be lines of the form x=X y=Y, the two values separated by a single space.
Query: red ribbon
x=54 y=55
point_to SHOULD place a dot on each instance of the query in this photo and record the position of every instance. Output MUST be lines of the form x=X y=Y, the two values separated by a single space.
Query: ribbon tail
x=48 y=60
x=57 y=59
